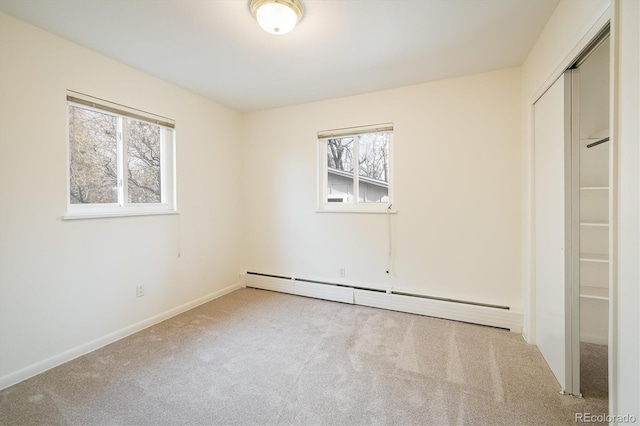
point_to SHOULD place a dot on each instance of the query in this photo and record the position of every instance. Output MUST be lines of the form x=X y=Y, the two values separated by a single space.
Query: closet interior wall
x=594 y=196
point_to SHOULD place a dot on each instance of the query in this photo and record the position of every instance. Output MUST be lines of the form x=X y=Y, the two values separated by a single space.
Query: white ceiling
x=340 y=48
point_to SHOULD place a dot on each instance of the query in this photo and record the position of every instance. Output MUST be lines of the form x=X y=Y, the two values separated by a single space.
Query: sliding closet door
x=553 y=233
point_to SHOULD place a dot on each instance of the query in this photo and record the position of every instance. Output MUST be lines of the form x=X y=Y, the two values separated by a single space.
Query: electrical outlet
x=139 y=290
x=342 y=271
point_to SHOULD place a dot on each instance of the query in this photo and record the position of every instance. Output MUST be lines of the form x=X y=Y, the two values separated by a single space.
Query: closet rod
x=603 y=140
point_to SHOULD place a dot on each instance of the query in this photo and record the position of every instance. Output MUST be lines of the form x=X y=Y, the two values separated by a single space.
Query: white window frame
x=356 y=206
x=168 y=204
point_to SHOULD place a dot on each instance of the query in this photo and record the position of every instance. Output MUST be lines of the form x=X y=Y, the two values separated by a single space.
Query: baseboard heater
x=459 y=310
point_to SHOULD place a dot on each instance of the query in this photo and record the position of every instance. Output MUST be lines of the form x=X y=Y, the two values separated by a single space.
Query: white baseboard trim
x=597 y=339
x=474 y=314
x=322 y=291
x=510 y=318
x=66 y=356
x=270 y=282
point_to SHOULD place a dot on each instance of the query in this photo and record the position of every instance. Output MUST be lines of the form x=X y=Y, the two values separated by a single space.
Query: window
x=355 y=169
x=121 y=160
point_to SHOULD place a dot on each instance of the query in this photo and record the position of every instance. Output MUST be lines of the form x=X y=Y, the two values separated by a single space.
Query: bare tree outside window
x=373 y=167
x=340 y=154
x=356 y=168
x=340 y=169
x=93 y=157
x=373 y=153
x=143 y=162
x=121 y=160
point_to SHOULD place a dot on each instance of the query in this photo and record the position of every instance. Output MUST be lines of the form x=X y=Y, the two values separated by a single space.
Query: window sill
x=385 y=211
x=103 y=215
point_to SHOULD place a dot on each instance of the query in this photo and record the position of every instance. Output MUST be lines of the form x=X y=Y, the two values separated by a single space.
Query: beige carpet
x=258 y=357
x=594 y=380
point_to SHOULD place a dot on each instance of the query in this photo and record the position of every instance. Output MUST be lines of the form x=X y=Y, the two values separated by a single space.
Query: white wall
x=64 y=284
x=457 y=191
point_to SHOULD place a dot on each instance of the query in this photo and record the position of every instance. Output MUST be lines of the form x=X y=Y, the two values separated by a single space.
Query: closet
x=594 y=196
x=571 y=222
x=594 y=146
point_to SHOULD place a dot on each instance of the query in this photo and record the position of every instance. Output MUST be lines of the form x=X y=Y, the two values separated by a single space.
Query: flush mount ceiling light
x=277 y=16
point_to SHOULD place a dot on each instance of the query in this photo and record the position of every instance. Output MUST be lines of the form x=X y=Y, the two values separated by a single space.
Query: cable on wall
x=389 y=238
